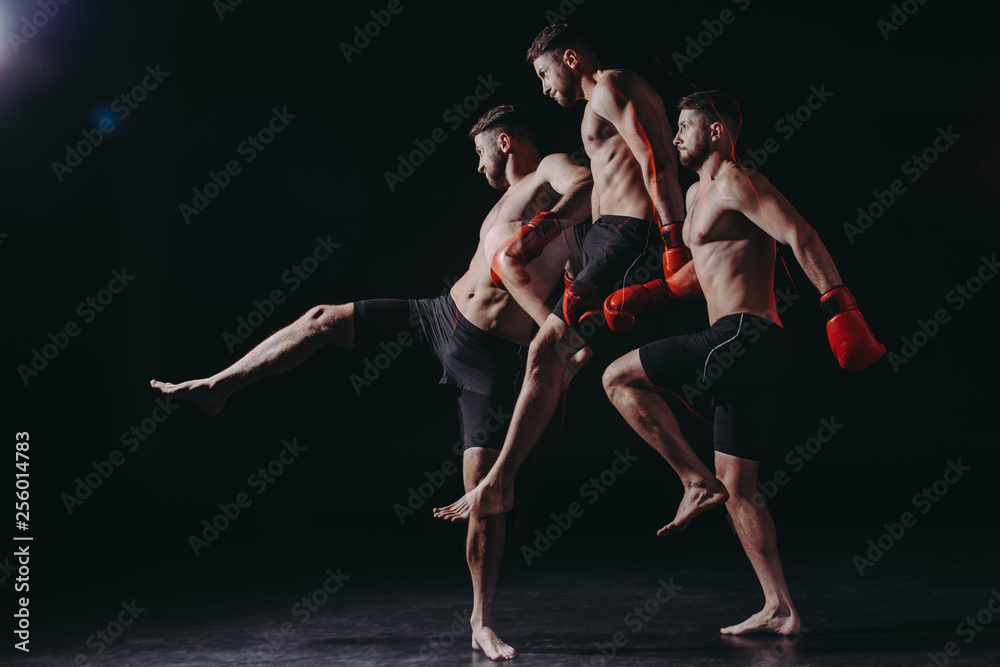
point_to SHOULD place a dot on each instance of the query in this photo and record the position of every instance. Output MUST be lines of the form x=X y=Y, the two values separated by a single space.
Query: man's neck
x=714 y=165
x=589 y=80
x=521 y=165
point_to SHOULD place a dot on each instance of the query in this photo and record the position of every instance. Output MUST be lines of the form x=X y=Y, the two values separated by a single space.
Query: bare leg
x=278 y=353
x=755 y=528
x=643 y=408
x=554 y=351
x=483 y=550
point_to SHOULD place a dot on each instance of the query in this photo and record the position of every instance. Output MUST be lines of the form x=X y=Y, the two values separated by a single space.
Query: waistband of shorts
x=621 y=219
x=732 y=318
x=468 y=327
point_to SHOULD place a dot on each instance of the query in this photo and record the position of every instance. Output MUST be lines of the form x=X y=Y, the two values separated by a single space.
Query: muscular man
x=475 y=332
x=627 y=136
x=734 y=218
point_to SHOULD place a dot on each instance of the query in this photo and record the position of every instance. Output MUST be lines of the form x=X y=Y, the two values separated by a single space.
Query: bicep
x=562 y=174
x=767 y=208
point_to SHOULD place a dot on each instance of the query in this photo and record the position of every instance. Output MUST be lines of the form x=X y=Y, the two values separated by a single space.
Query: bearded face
x=558 y=80
x=492 y=160
x=692 y=140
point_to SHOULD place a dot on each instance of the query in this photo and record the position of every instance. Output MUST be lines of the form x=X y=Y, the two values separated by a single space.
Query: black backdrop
x=889 y=94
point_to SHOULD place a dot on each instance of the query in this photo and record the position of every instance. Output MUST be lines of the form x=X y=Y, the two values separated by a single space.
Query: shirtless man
x=734 y=218
x=627 y=136
x=475 y=332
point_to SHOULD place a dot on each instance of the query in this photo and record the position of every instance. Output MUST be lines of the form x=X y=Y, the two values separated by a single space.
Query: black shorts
x=743 y=362
x=485 y=368
x=611 y=248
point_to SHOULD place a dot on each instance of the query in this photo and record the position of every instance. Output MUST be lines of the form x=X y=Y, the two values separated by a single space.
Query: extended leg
x=278 y=353
x=553 y=350
x=483 y=551
x=643 y=408
x=755 y=528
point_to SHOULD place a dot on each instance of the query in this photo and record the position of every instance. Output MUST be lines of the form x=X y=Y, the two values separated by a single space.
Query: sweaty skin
x=530 y=183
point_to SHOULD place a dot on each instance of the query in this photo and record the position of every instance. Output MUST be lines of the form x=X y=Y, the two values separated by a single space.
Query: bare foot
x=780 y=621
x=483 y=500
x=486 y=640
x=199 y=392
x=697 y=498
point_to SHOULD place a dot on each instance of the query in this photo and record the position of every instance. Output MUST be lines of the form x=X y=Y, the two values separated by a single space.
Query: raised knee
x=542 y=352
x=613 y=379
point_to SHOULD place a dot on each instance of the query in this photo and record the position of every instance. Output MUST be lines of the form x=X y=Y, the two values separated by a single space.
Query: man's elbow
x=802 y=238
x=512 y=266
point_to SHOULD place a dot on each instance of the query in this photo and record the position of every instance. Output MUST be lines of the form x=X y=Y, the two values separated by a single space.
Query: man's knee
x=328 y=320
x=624 y=372
x=553 y=346
x=742 y=487
x=476 y=464
x=614 y=378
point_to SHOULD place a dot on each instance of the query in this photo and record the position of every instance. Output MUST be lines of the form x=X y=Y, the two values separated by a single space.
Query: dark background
x=324 y=176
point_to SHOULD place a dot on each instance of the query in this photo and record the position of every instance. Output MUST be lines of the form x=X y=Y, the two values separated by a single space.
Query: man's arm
x=628 y=103
x=511 y=261
x=762 y=204
x=573 y=183
x=850 y=337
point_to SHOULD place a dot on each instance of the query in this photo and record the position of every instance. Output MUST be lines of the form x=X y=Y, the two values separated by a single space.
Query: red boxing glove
x=850 y=338
x=675 y=255
x=622 y=307
x=580 y=301
x=530 y=239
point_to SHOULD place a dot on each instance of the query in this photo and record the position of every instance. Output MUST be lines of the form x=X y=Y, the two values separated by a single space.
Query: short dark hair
x=509 y=118
x=715 y=106
x=557 y=37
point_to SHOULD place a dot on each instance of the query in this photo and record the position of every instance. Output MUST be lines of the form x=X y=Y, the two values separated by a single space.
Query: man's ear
x=571 y=59
x=504 y=142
